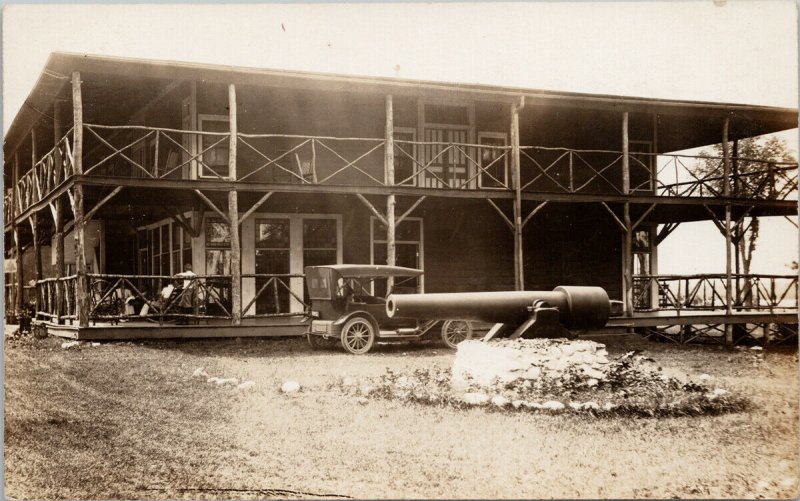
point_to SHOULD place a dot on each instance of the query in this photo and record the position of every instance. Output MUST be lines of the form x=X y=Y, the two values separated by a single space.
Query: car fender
x=339 y=323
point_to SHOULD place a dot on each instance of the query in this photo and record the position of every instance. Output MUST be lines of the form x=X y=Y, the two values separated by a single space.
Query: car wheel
x=320 y=343
x=455 y=331
x=358 y=335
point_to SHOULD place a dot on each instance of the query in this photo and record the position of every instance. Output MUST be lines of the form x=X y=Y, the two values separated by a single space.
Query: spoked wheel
x=358 y=336
x=320 y=343
x=455 y=331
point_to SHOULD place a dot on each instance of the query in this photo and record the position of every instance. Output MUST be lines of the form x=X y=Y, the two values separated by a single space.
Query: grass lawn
x=128 y=420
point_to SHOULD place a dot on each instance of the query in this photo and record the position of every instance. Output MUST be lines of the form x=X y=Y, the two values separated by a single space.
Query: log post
x=79 y=228
x=233 y=215
x=391 y=202
x=20 y=278
x=627 y=253
x=519 y=274
x=58 y=216
x=726 y=189
x=34 y=219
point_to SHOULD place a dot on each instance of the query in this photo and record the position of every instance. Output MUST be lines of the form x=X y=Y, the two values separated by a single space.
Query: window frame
x=201 y=119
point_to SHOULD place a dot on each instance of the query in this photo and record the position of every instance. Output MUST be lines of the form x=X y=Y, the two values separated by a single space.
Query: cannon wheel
x=455 y=331
x=358 y=335
x=319 y=343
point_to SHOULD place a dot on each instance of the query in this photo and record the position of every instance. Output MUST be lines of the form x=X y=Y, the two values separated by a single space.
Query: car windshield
x=363 y=286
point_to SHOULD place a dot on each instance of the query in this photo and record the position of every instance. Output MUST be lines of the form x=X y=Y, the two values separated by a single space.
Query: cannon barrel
x=578 y=307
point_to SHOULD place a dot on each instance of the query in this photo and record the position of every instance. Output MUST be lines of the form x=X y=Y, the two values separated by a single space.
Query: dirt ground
x=128 y=420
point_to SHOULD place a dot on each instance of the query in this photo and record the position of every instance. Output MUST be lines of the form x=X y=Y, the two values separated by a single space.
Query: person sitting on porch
x=188 y=295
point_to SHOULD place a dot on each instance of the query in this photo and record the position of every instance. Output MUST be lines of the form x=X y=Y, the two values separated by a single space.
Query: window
x=404 y=156
x=272 y=258
x=493 y=162
x=214 y=162
x=408 y=253
x=218 y=247
x=163 y=249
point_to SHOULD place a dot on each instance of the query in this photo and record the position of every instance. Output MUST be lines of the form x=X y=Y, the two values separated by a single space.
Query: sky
x=730 y=51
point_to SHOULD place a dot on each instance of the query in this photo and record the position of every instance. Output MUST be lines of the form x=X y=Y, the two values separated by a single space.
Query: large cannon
x=514 y=313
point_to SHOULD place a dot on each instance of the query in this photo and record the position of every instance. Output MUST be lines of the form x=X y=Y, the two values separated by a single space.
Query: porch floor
x=289 y=327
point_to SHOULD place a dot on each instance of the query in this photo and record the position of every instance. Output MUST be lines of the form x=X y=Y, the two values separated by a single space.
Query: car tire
x=358 y=336
x=320 y=343
x=455 y=331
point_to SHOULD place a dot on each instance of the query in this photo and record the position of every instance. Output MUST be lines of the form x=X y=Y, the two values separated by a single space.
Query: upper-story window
x=493 y=161
x=214 y=162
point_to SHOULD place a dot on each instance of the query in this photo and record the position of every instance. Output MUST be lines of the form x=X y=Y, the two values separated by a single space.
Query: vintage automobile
x=344 y=309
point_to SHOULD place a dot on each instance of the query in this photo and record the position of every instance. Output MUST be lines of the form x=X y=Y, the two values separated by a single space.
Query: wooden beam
x=233 y=218
x=88 y=216
x=726 y=162
x=519 y=274
x=666 y=231
x=646 y=213
x=372 y=209
x=715 y=220
x=626 y=161
x=256 y=206
x=212 y=206
x=628 y=254
x=391 y=202
x=533 y=213
x=82 y=282
x=410 y=210
x=37 y=249
x=502 y=214
x=621 y=225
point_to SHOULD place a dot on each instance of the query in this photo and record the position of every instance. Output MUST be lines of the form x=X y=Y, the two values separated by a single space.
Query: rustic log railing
x=162 y=153
x=45 y=175
x=115 y=298
x=708 y=292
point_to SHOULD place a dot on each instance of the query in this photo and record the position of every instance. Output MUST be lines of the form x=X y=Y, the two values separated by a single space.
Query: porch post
x=627 y=253
x=18 y=293
x=233 y=215
x=519 y=274
x=654 y=304
x=58 y=217
x=34 y=219
x=391 y=202
x=726 y=191
x=82 y=283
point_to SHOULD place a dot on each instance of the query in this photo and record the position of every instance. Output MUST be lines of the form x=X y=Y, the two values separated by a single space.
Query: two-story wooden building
x=119 y=172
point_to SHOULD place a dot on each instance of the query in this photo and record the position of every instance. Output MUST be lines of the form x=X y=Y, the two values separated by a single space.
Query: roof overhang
x=752 y=120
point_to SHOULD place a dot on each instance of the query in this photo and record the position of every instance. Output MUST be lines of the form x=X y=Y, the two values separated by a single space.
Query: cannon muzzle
x=575 y=308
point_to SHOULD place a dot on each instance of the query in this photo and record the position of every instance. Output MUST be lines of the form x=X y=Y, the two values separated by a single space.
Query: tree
x=754 y=174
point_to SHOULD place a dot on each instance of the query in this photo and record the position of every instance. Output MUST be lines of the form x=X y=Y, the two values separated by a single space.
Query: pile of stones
x=541 y=362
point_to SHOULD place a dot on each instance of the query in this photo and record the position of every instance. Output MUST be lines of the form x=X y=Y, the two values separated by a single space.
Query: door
x=272 y=257
x=448 y=164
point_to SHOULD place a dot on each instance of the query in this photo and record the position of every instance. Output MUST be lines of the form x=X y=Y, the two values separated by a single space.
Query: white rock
x=362 y=400
x=704 y=377
x=94 y=345
x=69 y=344
x=592 y=382
x=533 y=405
x=552 y=405
x=757 y=348
x=199 y=372
x=290 y=387
x=517 y=403
x=602 y=353
x=718 y=392
x=475 y=398
x=575 y=405
x=568 y=349
x=212 y=379
x=590 y=405
x=601 y=359
x=223 y=381
x=609 y=406
x=500 y=401
x=246 y=385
